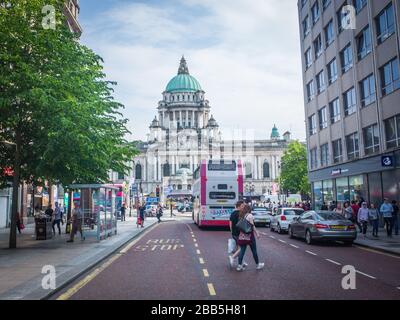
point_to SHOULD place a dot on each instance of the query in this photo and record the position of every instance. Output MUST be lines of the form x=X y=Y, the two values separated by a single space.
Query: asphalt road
x=176 y=260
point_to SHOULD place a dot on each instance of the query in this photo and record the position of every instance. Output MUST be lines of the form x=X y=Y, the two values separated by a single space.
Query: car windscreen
x=327 y=216
x=259 y=211
x=293 y=212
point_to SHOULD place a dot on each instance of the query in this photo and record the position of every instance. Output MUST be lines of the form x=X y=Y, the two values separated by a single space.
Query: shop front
x=370 y=179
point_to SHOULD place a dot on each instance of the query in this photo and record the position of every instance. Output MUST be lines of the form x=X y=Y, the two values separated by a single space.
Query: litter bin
x=44 y=229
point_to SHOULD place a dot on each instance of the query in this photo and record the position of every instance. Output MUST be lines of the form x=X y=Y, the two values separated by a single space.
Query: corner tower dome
x=183 y=82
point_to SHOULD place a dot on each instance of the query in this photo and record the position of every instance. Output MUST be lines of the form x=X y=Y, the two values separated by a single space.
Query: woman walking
x=246 y=239
x=348 y=212
x=374 y=218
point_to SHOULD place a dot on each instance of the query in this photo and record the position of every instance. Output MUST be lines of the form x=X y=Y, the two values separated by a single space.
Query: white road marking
x=201 y=260
x=211 y=289
x=206 y=274
x=334 y=262
x=364 y=274
x=294 y=246
x=398 y=288
x=314 y=254
x=196 y=245
x=282 y=241
x=272 y=237
x=198 y=251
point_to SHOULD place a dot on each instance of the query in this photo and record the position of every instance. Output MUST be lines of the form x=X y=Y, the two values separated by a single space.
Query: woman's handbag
x=244 y=225
x=244 y=238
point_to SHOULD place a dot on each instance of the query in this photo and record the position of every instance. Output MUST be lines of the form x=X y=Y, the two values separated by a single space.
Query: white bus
x=218 y=185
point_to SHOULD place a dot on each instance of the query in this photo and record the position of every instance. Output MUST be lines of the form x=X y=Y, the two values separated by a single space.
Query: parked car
x=151 y=210
x=282 y=218
x=323 y=225
x=262 y=216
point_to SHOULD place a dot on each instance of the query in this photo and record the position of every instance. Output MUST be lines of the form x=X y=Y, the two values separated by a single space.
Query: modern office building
x=350 y=62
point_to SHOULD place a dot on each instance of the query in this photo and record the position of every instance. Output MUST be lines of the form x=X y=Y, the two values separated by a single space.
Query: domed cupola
x=212 y=123
x=275 y=133
x=155 y=123
x=183 y=82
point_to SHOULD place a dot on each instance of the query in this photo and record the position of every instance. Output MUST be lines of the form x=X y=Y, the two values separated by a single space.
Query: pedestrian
x=355 y=208
x=58 y=215
x=387 y=213
x=159 y=212
x=49 y=212
x=234 y=219
x=339 y=209
x=20 y=225
x=142 y=214
x=332 y=207
x=395 y=217
x=324 y=207
x=374 y=218
x=246 y=239
x=363 y=217
x=123 y=211
x=77 y=217
x=348 y=212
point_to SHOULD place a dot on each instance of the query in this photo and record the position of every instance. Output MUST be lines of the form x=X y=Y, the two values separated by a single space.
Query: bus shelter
x=99 y=208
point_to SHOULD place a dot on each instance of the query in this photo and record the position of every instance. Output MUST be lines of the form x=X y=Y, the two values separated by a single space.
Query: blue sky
x=244 y=53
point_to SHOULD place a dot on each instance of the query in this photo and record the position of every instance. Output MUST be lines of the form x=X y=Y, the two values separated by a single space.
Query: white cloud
x=245 y=54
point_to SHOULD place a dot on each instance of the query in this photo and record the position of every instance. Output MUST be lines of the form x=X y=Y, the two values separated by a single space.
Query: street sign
x=152 y=200
x=387 y=161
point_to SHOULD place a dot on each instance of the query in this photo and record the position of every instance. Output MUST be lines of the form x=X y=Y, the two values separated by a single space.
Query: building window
x=313 y=159
x=321 y=82
x=346 y=58
x=166 y=170
x=323 y=118
x=324 y=155
x=392 y=132
x=189 y=187
x=179 y=187
x=138 y=172
x=352 y=146
x=312 y=125
x=390 y=80
x=334 y=110
x=367 y=91
x=121 y=176
x=371 y=139
x=332 y=71
x=385 y=25
x=248 y=170
x=342 y=18
x=325 y=4
x=308 y=58
x=364 y=43
x=310 y=91
x=349 y=102
x=359 y=5
x=266 y=170
x=306 y=26
x=337 y=151
x=318 y=46
x=329 y=33
x=315 y=12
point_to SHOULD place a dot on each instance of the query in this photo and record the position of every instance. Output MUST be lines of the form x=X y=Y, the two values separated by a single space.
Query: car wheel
x=290 y=231
x=279 y=229
x=309 y=239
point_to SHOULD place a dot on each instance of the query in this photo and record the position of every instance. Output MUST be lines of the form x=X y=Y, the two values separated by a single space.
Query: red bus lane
x=162 y=265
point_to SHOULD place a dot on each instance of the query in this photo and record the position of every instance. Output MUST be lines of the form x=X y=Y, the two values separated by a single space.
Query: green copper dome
x=275 y=133
x=183 y=82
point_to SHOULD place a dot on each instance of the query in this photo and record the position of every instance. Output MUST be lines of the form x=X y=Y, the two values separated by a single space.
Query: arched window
x=174 y=186
x=138 y=171
x=189 y=187
x=248 y=170
x=179 y=187
x=266 y=170
x=166 y=170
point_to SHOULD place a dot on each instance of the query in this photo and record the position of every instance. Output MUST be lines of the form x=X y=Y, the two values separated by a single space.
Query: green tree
x=294 y=169
x=56 y=106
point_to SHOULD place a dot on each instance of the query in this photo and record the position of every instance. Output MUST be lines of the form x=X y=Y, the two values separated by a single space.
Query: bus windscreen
x=217 y=166
x=222 y=195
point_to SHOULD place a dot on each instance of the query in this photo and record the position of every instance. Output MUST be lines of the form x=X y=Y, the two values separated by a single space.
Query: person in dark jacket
x=159 y=212
x=142 y=213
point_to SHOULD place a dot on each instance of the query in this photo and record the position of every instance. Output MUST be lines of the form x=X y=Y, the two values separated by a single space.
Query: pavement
x=179 y=261
x=382 y=243
x=21 y=269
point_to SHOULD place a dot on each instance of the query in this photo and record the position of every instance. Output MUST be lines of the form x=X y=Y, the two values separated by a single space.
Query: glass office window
x=342 y=189
x=391 y=184
x=318 y=195
x=357 y=188
x=328 y=191
x=375 y=188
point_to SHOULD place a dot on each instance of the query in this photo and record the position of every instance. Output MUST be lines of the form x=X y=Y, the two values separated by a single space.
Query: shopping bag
x=231 y=245
x=22 y=226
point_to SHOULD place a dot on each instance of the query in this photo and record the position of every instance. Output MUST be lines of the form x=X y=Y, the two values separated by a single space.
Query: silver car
x=262 y=216
x=282 y=218
x=323 y=225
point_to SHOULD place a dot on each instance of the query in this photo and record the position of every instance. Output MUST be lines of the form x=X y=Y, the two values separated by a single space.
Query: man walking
x=123 y=211
x=77 y=218
x=387 y=213
x=57 y=218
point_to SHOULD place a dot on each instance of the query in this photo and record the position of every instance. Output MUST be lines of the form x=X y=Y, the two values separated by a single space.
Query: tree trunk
x=16 y=182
